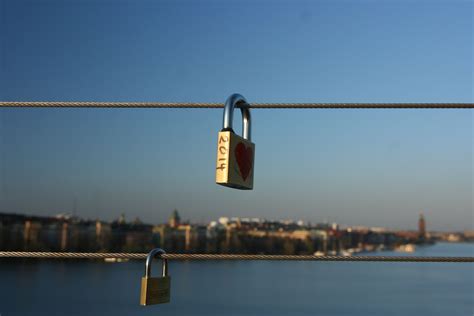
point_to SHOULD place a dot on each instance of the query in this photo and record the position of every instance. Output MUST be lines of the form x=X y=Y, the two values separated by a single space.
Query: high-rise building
x=175 y=220
x=421 y=227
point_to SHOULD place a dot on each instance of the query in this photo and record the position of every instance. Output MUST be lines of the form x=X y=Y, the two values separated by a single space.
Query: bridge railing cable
x=253 y=105
x=242 y=257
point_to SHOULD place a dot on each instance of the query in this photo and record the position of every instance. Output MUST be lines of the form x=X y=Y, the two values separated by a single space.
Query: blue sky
x=358 y=167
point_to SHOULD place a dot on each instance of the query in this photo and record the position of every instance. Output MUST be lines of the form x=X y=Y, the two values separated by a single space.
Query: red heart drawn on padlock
x=244 y=157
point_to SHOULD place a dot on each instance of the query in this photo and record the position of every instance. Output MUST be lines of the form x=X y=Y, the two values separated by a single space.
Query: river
x=39 y=287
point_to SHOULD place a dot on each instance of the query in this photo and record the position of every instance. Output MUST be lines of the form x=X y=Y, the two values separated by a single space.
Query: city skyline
x=131 y=218
x=374 y=167
x=223 y=235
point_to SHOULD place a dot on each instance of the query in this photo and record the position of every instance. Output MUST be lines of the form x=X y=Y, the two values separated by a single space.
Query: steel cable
x=169 y=256
x=253 y=105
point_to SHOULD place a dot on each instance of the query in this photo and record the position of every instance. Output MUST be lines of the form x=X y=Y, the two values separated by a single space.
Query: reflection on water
x=245 y=288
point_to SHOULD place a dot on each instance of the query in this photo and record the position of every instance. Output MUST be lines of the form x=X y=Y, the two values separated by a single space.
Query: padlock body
x=155 y=290
x=235 y=161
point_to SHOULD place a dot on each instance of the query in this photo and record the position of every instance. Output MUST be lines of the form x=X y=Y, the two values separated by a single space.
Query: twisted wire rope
x=169 y=256
x=73 y=104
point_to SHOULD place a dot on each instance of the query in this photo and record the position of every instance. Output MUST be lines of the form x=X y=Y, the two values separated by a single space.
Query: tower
x=121 y=219
x=421 y=227
x=175 y=220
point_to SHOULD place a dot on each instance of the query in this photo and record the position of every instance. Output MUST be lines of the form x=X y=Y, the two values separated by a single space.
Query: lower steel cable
x=169 y=256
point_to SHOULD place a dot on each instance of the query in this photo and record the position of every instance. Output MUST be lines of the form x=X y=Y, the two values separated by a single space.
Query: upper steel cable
x=169 y=256
x=253 y=105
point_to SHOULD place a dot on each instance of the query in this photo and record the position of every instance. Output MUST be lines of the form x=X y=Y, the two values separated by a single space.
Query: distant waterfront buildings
x=225 y=235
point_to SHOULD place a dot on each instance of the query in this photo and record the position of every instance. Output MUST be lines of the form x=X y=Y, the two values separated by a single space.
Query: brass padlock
x=155 y=290
x=235 y=154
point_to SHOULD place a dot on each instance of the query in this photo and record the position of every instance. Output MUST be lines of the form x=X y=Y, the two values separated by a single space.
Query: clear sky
x=356 y=167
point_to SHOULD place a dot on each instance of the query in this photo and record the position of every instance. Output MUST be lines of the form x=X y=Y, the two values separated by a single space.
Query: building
x=175 y=220
x=421 y=227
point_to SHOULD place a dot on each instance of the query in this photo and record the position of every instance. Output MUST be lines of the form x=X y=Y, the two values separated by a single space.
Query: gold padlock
x=155 y=290
x=235 y=154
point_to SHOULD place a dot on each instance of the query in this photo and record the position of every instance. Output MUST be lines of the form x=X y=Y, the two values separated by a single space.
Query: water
x=245 y=288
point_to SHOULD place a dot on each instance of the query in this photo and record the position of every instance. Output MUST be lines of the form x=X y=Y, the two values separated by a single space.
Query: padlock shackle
x=157 y=252
x=236 y=100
